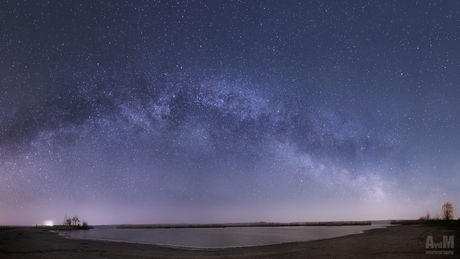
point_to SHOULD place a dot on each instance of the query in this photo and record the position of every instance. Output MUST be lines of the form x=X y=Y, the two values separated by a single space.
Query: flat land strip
x=258 y=224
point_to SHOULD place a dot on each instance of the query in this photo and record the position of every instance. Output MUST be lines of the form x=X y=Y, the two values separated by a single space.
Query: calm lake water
x=219 y=237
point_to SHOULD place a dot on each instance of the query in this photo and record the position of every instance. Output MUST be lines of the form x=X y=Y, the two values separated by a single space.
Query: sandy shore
x=393 y=242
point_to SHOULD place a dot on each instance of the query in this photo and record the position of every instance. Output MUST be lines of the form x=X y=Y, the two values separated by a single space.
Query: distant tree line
x=447 y=213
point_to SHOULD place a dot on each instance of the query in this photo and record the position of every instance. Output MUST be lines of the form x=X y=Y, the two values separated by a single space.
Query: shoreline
x=404 y=241
x=254 y=236
x=191 y=248
x=256 y=224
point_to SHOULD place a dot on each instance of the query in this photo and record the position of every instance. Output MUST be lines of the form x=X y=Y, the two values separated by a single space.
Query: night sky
x=228 y=111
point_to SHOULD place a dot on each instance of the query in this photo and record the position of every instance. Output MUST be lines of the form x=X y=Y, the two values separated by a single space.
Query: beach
x=406 y=241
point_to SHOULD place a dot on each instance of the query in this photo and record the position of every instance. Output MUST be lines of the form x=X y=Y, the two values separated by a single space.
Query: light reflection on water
x=218 y=237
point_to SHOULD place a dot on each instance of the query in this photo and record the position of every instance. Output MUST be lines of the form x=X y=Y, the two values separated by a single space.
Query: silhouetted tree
x=427 y=217
x=67 y=221
x=447 y=211
x=75 y=220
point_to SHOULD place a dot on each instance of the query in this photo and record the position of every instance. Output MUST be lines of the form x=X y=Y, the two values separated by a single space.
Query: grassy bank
x=63 y=227
x=446 y=223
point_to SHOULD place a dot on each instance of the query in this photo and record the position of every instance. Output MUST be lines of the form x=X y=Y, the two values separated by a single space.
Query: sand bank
x=393 y=242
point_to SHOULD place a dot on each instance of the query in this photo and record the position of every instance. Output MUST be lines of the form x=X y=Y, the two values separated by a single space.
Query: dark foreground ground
x=407 y=241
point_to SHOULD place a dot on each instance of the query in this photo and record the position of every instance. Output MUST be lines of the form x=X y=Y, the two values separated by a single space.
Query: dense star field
x=228 y=111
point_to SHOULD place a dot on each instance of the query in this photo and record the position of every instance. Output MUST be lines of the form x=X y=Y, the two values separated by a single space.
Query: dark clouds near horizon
x=228 y=102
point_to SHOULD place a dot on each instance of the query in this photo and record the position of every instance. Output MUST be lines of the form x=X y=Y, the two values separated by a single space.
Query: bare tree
x=427 y=217
x=75 y=220
x=447 y=211
x=67 y=221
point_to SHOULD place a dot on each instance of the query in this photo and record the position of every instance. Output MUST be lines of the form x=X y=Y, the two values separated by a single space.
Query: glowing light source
x=48 y=223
